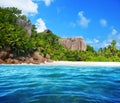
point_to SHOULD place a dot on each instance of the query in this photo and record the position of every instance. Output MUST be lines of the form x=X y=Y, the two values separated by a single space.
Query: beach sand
x=74 y=63
x=80 y=63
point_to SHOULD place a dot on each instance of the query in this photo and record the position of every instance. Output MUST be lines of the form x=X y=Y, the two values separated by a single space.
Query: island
x=21 y=43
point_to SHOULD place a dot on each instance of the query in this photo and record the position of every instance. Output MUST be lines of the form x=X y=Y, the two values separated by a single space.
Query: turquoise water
x=59 y=84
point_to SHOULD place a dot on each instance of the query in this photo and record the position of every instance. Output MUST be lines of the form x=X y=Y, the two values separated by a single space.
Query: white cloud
x=27 y=6
x=98 y=44
x=48 y=2
x=103 y=22
x=114 y=35
x=105 y=43
x=83 y=20
x=92 y=41
x=114 y=32
x=40 y=24
x=96 y=40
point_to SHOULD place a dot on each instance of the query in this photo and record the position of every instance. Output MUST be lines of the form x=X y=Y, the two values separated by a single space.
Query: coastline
x=81 y=63
x=73 y=63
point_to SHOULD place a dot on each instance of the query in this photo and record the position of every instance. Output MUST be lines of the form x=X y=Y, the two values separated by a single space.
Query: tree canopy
x=13 y=35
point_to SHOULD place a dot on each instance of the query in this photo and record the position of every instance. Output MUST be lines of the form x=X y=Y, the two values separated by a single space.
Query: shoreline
x=82 y=63
x=73 y=63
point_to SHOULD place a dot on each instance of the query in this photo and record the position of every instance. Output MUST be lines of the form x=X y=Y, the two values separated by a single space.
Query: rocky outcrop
x=26 y=25
x=35 y=58
x=48 y=58
x=38 y=58
x=47 y=31
x=1 y=61
x=76 y=43
x=3 y=55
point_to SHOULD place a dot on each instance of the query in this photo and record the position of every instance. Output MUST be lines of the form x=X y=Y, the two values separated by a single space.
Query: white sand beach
x=79 y=63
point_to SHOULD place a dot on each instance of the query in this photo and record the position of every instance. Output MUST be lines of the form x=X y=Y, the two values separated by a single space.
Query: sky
x=97 y=21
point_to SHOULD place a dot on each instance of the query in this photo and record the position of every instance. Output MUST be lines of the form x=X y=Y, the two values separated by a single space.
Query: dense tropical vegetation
x=14 y=37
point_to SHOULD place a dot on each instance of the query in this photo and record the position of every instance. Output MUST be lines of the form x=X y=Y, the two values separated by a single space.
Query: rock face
x=35 y=58
x=76 y=43
x=26 y=25
x=3 y=55
x=47 y=31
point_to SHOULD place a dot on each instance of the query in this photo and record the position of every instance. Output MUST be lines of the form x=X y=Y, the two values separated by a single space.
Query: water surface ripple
x=59 y=84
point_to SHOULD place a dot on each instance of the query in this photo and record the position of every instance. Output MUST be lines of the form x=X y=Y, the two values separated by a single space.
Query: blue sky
x=97 y=21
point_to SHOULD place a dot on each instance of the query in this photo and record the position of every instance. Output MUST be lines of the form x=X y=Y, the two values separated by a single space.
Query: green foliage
x=113 y=43
x=15 y=37
x=109 y=53
x=90 y=48
x=9 y=15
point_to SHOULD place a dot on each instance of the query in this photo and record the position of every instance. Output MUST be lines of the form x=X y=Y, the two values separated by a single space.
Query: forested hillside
x=16 y=42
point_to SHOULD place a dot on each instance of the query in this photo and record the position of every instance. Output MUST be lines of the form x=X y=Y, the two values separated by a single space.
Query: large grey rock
x=36 y=56
x=76 y=43
x=26 y=25
x=47 y=56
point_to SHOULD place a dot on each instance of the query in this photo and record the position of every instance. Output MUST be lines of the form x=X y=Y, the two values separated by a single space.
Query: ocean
x=59 y=84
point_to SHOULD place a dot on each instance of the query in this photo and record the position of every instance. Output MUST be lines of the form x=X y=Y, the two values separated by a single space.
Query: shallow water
x=59 y=84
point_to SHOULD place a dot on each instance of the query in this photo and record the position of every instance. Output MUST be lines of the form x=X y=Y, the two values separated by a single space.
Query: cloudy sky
x=97 y=21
